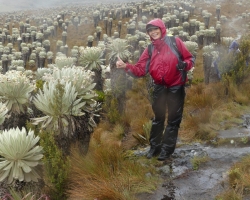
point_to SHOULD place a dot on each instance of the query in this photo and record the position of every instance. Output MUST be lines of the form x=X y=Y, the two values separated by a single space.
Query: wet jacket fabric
x=162 y=65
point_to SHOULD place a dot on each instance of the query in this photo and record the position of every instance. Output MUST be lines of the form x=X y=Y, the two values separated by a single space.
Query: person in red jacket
x=169 y=91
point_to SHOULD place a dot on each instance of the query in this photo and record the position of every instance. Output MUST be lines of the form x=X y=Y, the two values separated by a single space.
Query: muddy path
x=182 y=182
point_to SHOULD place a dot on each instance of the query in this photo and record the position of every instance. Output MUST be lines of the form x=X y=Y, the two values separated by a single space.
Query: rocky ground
x=182 y=182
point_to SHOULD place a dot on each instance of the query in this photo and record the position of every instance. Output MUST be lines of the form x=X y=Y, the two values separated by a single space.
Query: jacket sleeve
x=186 y=55
x=141 y=68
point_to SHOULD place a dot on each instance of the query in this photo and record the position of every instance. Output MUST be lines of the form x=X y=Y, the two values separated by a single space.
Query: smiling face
x=155 y=33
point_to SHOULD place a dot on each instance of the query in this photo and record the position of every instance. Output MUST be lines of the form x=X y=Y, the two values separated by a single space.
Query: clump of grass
x=197 y=125
x=237 y=94
x=107 y=133
x=239 y=175
x=196 y=161
x=200 y=96
x=106 y=173
x=110 y=107
x=228 y=195
x=239 y=180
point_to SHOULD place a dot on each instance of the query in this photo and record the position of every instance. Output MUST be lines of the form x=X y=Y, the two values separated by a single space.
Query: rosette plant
x=15 y=90
x=42 y=56
x=218 y=7
x=118 y=48
x=58 y=101
x=3 y=112
x=226 y=41
x=20 y=155
x=91 y=59
x=192 y=47
x=75 y=52
x=66 y=93
x=15 y=64
x=90 y=40
x=49 y=57
x=80 y=78
x=208 y=54
x=63 y=61
x=40 y=72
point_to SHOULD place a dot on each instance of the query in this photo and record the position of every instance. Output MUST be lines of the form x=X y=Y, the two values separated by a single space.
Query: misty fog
x=15 y=5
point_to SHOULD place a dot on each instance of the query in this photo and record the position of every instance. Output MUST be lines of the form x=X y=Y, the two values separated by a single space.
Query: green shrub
x=110 y=107
x=56 y=167
x=100 y=96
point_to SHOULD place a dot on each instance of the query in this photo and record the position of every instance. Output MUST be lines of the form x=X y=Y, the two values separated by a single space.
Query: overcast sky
x=15 y=5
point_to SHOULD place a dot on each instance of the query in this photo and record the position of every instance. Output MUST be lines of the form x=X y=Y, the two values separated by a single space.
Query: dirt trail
x=182 y=182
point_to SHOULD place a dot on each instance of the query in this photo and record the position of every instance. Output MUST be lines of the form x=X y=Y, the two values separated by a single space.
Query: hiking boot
x=153 y=151
x=164 y=155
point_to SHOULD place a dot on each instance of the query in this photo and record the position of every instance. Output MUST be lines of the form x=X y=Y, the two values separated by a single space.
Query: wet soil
x=182 y=182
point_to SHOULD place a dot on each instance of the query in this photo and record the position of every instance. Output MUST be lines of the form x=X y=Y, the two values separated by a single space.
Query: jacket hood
x=159 y=23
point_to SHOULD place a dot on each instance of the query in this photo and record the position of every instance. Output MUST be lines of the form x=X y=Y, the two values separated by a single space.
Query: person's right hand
x=120 y=63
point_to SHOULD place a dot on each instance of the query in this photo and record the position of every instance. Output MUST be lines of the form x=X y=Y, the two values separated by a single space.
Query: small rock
x=165 y=169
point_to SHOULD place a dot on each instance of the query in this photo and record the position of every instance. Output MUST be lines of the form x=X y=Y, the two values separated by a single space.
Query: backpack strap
x=175 y=48
x=150 y=50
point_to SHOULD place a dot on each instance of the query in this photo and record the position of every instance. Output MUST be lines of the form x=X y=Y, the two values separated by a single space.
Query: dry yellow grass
x=239 y=179
x=105 y=173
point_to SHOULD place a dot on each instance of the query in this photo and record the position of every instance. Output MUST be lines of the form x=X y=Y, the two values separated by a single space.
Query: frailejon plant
x=192 y=47
x=63 y=61
x=209 y=54
x=15 y=90
x=91 y=59
x=118 y=48
x=20 y=155
x=3 y=112
x=59 y=102
x=40 y=72
x=80 y=78
x=227 y=41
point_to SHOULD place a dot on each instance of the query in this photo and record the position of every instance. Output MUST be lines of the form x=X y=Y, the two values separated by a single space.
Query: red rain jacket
x=163 y=61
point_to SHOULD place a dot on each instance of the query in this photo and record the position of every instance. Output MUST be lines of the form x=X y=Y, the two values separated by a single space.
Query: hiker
x=169 y=76
x=234 y=47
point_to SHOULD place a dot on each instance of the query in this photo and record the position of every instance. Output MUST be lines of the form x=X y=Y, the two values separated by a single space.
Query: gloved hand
x=181 y=65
